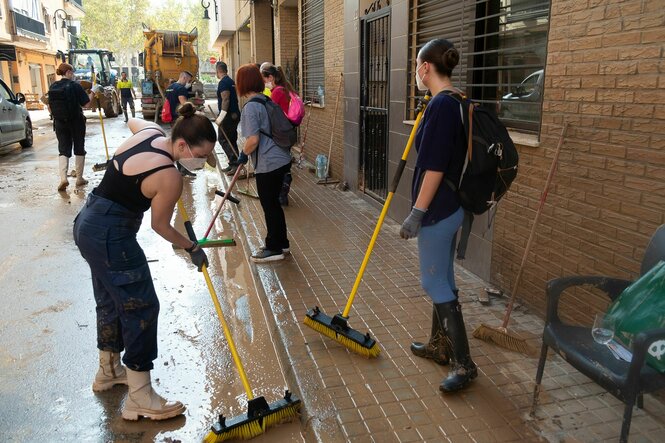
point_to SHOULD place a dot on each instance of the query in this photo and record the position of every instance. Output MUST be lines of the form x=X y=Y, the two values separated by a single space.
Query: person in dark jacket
x=437 y=215
x=140 y=176
x=66 y=99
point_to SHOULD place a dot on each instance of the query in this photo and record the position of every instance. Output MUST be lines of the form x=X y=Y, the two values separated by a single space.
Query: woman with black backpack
x=437 y=215
x=271 y=161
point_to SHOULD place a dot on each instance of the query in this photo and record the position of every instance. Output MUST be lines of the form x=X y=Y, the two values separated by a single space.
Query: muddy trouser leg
x=78 y=135
x=230 y=127
x=268 y=186
x=286 y=187
x=131 y=105
x=63 y=132
x=124 y=101
x=109 y=328
x=106 y=236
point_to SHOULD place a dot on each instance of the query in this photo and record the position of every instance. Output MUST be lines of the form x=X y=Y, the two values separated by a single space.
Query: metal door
x=374 y=76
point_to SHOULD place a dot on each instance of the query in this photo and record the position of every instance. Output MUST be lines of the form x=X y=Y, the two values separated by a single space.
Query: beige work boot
x=80 y=161
x=110 y=373
x=142 y=400
x=63 y=164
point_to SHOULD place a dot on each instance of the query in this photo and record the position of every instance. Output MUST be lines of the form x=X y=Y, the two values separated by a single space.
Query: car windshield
x=529 y=84
x=83 y=62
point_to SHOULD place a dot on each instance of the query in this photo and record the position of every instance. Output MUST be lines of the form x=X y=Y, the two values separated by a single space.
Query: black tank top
x=126 y=189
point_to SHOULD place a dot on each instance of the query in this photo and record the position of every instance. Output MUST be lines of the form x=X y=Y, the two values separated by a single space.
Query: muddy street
x=48 y=355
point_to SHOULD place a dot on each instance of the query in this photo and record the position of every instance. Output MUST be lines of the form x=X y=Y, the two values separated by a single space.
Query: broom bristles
x=353 y=346
x=501 y=337
x=256 y=426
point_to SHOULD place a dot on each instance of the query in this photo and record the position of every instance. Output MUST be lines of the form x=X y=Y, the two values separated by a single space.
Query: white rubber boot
x=110 y=373
x=63 y=164
x=143 y=401
x=80 y=161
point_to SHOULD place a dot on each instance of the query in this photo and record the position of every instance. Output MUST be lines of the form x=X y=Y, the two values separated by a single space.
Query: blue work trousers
x=127 y=305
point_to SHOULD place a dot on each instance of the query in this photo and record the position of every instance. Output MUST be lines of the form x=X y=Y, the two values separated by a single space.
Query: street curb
x=283 y=325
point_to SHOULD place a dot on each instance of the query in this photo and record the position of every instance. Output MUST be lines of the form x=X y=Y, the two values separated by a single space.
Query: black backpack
x=491 y=162
x=490 y=166
x=282 y=131
x=62 y=101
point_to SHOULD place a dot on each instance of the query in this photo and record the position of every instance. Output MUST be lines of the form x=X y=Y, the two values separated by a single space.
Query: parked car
x=15 y=124
x=523 y=102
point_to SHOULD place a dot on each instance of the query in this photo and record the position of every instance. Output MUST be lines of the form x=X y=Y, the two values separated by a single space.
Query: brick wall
x=320 y=126
x=604 y=77
x=286 y=36
x=262 y=32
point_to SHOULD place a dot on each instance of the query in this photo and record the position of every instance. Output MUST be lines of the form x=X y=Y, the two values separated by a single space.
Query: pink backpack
x=296 y=109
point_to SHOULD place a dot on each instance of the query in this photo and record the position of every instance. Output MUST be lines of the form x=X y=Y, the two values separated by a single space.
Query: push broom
x=501 y=336
x=260 y=414
x=100 y=166
x=337 y=327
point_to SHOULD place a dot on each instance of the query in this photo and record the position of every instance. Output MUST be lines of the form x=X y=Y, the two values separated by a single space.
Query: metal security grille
x=503 y=48
x=375 y=72
x=313 y=74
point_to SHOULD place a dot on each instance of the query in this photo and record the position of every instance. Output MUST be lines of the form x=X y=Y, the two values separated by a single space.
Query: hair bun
x=186 y=110
x=451 y=58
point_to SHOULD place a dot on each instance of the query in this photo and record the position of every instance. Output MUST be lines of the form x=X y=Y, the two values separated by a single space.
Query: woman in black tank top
x=140 y=176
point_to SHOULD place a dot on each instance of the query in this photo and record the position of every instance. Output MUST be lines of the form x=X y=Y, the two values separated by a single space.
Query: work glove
x=411 y=225
x=422 y=103
x=242 y=159
x=199 y=258
x=220 y=117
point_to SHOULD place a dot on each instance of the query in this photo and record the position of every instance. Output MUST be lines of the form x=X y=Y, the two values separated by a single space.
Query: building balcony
x=74 y=8
x=225 y=26
x=29 y=27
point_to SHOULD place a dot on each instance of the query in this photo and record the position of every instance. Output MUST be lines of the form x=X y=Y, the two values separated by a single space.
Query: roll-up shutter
x=313 y=50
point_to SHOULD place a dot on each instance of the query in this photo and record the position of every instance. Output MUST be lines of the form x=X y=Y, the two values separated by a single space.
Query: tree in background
x=118 y=25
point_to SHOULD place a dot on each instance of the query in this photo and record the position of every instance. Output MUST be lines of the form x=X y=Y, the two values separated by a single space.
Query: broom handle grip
x=218 y=308
x=543 y=197
x=384 y=211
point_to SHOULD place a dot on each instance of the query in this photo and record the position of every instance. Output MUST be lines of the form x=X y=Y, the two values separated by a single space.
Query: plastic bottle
x=321 y=163
x=320 y=93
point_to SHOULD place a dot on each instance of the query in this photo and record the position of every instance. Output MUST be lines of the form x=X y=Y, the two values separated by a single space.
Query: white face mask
x=419 y=81
x=188 y=85
x=192 y=163
x=269 y=85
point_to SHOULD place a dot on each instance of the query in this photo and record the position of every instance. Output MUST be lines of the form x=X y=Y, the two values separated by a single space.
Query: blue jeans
x=436 y=250
x=127 y=305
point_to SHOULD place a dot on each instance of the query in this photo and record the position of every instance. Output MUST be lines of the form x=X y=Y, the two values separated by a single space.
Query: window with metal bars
x=503 y=48
x=313 y=75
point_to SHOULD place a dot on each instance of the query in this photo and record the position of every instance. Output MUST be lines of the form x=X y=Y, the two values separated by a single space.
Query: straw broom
x=501 y=336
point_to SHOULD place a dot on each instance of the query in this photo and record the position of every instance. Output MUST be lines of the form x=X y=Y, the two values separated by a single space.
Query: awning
x=7 y=53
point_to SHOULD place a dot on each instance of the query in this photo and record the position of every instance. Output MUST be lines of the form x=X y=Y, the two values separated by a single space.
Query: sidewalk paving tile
x=395 y=398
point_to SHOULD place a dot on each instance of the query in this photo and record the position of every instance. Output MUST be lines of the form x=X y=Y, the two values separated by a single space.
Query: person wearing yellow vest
x=126 y=91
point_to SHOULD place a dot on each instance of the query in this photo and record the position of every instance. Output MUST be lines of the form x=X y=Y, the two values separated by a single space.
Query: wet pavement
x=48 y=355
x=395 y=398
x=47 y=337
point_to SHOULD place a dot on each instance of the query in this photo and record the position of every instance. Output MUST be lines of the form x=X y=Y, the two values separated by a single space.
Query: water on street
x=48 y=355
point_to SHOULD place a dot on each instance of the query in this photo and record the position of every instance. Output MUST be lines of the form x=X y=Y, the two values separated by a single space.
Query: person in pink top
x=280 y=93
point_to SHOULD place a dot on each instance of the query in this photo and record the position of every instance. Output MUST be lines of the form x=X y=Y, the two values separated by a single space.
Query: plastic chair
x=626 y=381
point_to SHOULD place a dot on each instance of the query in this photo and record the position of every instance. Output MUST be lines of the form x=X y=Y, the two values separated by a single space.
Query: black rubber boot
x=436 y=348
x=462 y=368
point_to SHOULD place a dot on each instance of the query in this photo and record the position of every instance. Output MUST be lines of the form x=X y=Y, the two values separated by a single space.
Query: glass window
x=503 y=48
x=4 y=92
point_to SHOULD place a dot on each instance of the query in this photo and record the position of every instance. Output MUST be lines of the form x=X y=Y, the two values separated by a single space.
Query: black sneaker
x=267 y=255
x=228 y=168
x=285 y=251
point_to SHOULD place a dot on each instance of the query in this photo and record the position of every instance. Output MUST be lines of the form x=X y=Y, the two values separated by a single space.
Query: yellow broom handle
x=384 y=211
x=220 y=315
